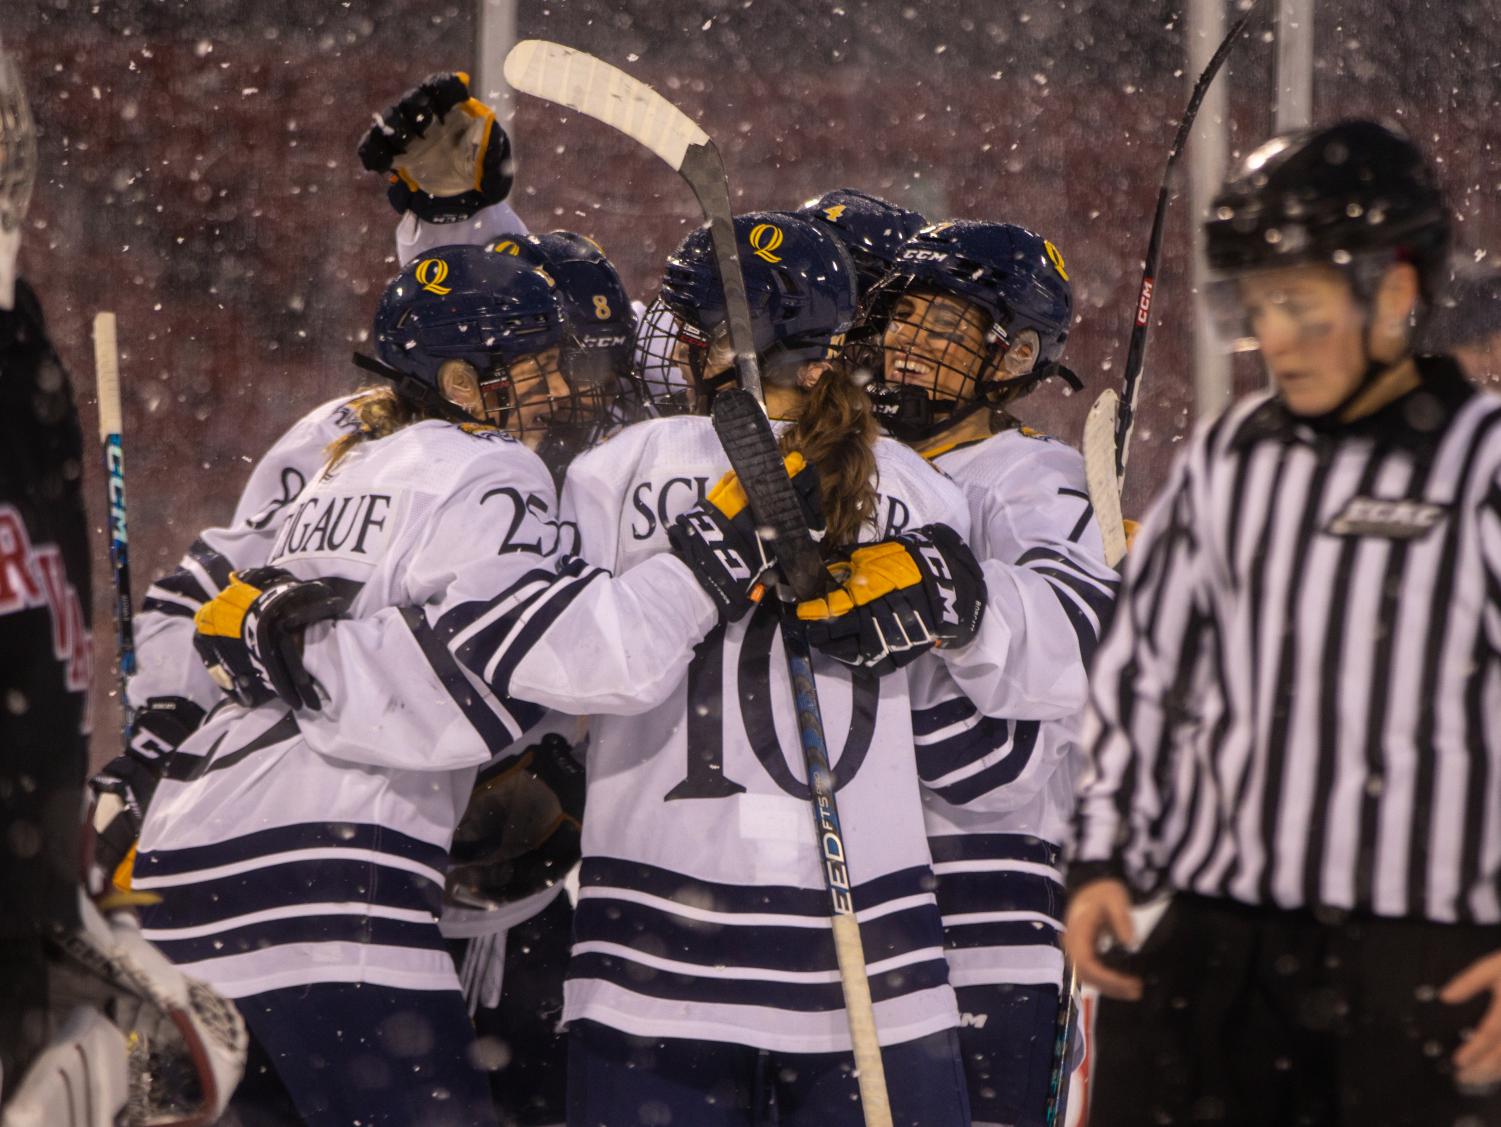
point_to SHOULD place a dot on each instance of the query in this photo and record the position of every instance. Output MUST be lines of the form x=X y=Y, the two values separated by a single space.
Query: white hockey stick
x=560 y=74
x=107 y=377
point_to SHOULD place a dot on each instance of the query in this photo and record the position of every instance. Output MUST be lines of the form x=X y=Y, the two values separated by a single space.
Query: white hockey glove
x=184 y=1044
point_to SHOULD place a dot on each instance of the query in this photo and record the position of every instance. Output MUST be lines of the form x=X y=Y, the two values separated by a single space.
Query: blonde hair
x=378 y=411
x=836 y=432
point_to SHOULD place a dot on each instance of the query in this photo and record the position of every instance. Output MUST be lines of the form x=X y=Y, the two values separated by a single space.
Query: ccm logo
x=1144 y=303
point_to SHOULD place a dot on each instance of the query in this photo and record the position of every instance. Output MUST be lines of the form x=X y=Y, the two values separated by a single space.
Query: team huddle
x=500 y=614
x=465 y=758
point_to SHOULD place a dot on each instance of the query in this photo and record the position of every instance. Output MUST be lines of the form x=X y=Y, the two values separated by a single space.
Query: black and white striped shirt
x=1298 y=702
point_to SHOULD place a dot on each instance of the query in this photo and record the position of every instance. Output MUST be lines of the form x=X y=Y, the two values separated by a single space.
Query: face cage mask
x=17 y=172
x=671 y=357
x=524 y=404
x=917 y=367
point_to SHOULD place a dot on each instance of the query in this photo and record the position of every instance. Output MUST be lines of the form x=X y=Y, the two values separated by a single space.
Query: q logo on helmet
x=506 y=246
x=1056 y=257
x=430 y=275
x=764 y=239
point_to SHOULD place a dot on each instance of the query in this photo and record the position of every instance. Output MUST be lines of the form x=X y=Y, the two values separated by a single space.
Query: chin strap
x=1374 y=370
x=412 y=388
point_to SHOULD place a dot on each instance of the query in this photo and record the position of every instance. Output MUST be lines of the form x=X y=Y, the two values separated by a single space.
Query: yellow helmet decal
x=507 y=246
x=430 y=275
x=764 y=239
x=1056 y=257
x=832 y=214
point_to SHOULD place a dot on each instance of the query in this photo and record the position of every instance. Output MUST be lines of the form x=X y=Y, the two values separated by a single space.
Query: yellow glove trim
x=729 y=497
x=874 y=572
x=1132 y=527
x=222 y=616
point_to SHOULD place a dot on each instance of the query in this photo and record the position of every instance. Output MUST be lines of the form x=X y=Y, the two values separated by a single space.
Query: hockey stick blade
x=1099 y=473
x=748 y=441
x=573 y=78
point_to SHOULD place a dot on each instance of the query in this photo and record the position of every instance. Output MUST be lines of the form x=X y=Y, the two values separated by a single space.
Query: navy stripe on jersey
x=1000 y=890
x=289 y=883
x=1002 y=933
x=994 y=847
x=801 y=997
x=311 y=928
x=497 y=726
x=939 y=759
x=282 y=839
x=778 y=899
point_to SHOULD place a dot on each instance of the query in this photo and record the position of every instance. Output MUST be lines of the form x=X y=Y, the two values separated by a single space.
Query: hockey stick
x=1068 y=1021
x=1108 y=443
x=560 y=74
x=107 y=376
x=593 y=87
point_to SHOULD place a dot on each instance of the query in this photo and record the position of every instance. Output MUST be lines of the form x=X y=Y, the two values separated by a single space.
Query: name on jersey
x=35 y=576
x=350 y=527
x=1392 y=519
x=657 y=506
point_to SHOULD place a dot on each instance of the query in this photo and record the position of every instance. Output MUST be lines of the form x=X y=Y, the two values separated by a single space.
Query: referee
x=1295 y=724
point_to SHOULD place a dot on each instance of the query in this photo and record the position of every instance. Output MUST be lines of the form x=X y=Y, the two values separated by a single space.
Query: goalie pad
x=79 y=1080
x=186 y=1044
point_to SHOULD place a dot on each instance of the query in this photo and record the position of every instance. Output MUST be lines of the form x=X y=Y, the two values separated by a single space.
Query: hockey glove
x=124 y=787
x=898 y=599
x=520 y=832
x=250 y=635
x=718 y=538
x=444 y=152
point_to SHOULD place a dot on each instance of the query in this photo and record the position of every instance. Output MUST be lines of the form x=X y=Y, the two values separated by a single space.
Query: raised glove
x=444 y=152
x=718 y=539
x=250 y=635
x=898 y=598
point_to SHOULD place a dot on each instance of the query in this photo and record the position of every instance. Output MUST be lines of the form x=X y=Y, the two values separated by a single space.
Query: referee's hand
x=1477 y=1063
x=1101 y=910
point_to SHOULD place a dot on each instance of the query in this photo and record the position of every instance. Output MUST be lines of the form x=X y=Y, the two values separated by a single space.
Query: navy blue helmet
x=871 y=229
x=463 y=303
x=800 y=285
x=596 y=307
x=937 y=328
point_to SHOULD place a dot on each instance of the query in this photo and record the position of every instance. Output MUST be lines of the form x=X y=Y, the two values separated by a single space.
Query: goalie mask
x=17 y=171
x=799 y=283
x=937 y=329
x=495 y=313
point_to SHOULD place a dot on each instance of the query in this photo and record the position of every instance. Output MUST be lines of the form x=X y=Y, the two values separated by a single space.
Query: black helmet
x=1331 y=195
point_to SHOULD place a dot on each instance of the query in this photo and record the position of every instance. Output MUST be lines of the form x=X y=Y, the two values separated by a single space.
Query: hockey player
x=970 y=318
x=703 y=986
x=1294 y=709
x=300 y=838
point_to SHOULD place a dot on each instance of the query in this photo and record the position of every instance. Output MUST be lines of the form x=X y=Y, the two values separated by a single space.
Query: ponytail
x=836 y=432
x=378 y=411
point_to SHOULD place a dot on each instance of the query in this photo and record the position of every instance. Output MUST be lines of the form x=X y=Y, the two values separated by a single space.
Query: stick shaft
x=107 y=376
x=1136 y=351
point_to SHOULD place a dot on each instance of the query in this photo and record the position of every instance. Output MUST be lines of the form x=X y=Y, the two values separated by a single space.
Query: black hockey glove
x=520 y=832
x=123 y=788
x=250 y=635
x=444 y=152
x=897 y=599
x=717 y=538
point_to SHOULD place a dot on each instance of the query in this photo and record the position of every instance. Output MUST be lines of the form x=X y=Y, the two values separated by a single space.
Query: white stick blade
x=1099 y=472
x=571 y=78
x=107 y=374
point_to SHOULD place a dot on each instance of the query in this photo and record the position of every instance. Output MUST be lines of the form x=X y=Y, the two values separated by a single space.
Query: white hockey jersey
x=702 y=911
x=997 y=721
x=291 y=848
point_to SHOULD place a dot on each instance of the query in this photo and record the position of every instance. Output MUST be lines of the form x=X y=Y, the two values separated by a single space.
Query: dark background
x=198 y=177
